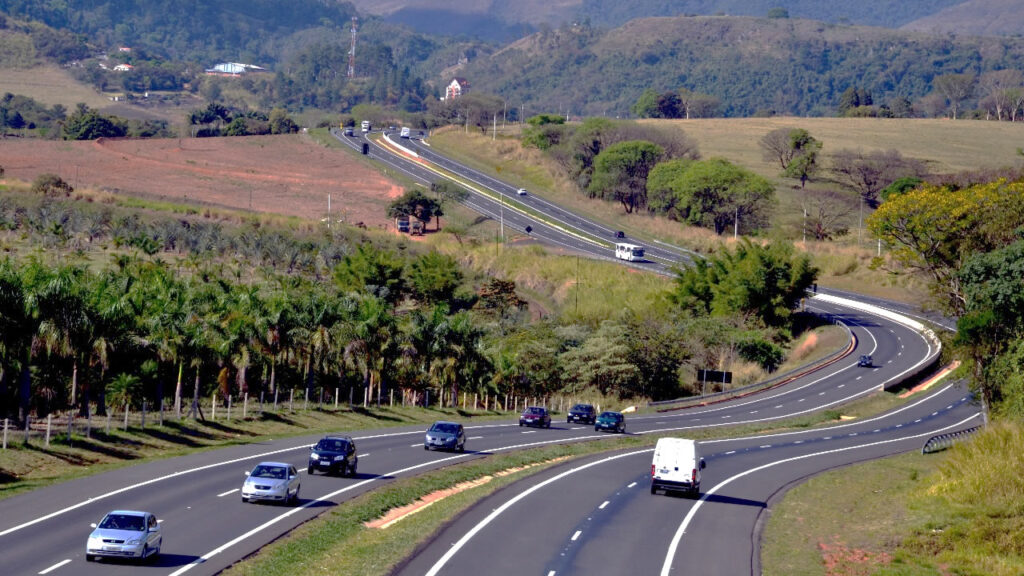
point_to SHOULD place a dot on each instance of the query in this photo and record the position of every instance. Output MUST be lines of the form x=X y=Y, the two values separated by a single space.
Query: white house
x=456 y=88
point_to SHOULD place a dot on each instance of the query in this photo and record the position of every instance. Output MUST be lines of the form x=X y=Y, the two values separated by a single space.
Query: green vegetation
x=954 y=513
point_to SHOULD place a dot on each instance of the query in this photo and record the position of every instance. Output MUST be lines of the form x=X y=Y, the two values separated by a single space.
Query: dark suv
x=535 y=416
x=583 y=413
x=865 y=361
x=334 y=455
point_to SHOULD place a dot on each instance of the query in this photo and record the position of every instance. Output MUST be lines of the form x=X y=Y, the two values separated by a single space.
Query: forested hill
x=886 y=13
x=196 y=30
x=975 y=17
x=751 y=65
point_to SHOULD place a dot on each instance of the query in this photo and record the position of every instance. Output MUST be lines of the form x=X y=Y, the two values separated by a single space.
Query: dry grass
x=50 y=85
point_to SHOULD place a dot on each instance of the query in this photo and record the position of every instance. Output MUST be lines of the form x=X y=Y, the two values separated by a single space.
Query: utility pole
x=494 y=127
x=736 y=224
x=352 y=52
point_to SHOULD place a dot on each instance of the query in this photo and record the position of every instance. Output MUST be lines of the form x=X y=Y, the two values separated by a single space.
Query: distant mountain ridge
x=494 y=18
x=752 y=65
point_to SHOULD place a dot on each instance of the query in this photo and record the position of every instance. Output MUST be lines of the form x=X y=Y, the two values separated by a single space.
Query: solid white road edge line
x=499 y=510
x=55 y=566
x=223 y=494
x=674 y=545
x=327 y=497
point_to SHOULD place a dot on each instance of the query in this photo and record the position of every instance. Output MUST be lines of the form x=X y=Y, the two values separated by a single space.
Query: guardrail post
x=28 y=427
x=88 y=424
x=229 y=408
x=213 y=406
x=305 y=399
x=49 y=419
x=71 y=421
x=143 y=414
x=126 y=410
x=245 y=407
x=291 y=400
x=335 y=398
x=391 y=394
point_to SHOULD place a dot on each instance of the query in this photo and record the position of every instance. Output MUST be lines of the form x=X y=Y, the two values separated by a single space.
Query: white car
x=521 y=191
x=274 y=481
x=124 y=534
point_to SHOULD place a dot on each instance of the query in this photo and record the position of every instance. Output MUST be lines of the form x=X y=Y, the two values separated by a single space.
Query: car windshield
x=276 y=472
x=534 y=411
x=444 y=428
x=582 y=408
x=332 y=445
x=123 y=522
x=610 y=415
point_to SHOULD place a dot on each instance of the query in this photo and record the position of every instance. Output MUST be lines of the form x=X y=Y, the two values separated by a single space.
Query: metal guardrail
x=942 y=441
x=765 y=383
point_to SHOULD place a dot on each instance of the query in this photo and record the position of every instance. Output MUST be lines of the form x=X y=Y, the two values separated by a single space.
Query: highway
x=206 y=527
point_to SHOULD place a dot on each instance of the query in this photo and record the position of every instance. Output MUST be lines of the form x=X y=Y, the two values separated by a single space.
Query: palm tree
x=371 y=342
x=15 y=335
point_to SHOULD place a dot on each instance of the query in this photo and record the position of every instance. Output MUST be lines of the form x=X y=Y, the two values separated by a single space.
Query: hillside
x=782 y=66
x=977 y=17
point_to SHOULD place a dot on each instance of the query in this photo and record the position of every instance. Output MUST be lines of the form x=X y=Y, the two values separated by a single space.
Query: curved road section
x=598 y=515
x=206 y=527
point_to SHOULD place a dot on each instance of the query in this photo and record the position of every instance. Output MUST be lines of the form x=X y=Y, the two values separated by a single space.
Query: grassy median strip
x=338 y=542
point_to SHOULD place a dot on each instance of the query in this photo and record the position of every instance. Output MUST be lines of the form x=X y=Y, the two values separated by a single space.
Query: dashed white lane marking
x=552 y=573
x=416 y=446
x=631 y=485
x=918 y=420
x=801 y=400
x=827 y=438
x=753 y=411
x=859 y=377
x=475 y=437
x=226 y=493
x=603 y=504
x=730 y=452
x=950 y=407
x=798 y=442
x=576 y=535
x=55 y=566
x=935 y=413
x=766 y=446
x=779 y=406
x=841 y=385
x=528 y=432
x=822 y=393
x=362 y=455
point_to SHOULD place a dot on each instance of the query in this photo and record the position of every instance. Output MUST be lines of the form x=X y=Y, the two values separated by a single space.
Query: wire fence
x=63 y=426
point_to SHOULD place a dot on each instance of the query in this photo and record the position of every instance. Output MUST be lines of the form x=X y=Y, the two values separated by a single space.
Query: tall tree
x=620 y=173
x=955 y=88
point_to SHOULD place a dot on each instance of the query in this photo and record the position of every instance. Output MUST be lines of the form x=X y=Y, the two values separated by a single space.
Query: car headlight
x=313 y=455
x=339 y=458
x=133 y=541
x=430 y=438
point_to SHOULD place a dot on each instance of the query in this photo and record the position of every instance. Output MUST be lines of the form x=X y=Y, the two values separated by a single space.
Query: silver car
x=125 y=534
x=274 y=481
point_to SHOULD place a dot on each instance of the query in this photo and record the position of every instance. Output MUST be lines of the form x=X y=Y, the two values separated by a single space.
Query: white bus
x=630 y=252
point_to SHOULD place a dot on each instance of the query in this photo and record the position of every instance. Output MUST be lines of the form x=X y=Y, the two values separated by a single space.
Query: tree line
x=185 y=306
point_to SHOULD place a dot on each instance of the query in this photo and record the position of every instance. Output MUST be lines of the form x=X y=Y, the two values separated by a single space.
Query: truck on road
x=677 y=466
x=365 y=126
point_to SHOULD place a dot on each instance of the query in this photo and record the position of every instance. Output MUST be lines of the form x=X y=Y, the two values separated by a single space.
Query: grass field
x=50 y=85
x=956 y=512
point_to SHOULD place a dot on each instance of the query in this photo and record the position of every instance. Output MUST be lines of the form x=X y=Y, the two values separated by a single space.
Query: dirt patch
x=289 y=175
x=841 y=560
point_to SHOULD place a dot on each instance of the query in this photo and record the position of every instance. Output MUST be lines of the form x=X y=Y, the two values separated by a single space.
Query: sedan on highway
x=582 y=413
x=124 y=534
x=333 y=455
x=535 y=416
x=610 y=422
x=445 y=435
x=274 y=481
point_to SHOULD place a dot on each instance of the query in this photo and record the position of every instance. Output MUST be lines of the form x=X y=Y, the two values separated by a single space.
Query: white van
x=406 y=132
x=677 y=466
x=629 y=252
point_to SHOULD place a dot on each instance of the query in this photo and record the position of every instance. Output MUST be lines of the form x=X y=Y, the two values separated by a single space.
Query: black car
x=334 y=455
x=583 y=413
x=535 y=416
x=620 y=234
x=865 y=361
x=610 y=421
x=445 y=435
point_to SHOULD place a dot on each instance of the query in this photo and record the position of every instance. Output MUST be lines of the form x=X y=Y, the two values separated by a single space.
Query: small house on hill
x=457 y=87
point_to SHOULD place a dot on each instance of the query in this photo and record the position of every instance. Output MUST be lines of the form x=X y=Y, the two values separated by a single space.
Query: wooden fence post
x=48 y=421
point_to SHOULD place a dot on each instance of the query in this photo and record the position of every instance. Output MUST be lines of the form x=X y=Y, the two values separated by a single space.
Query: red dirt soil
x=291 y=175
